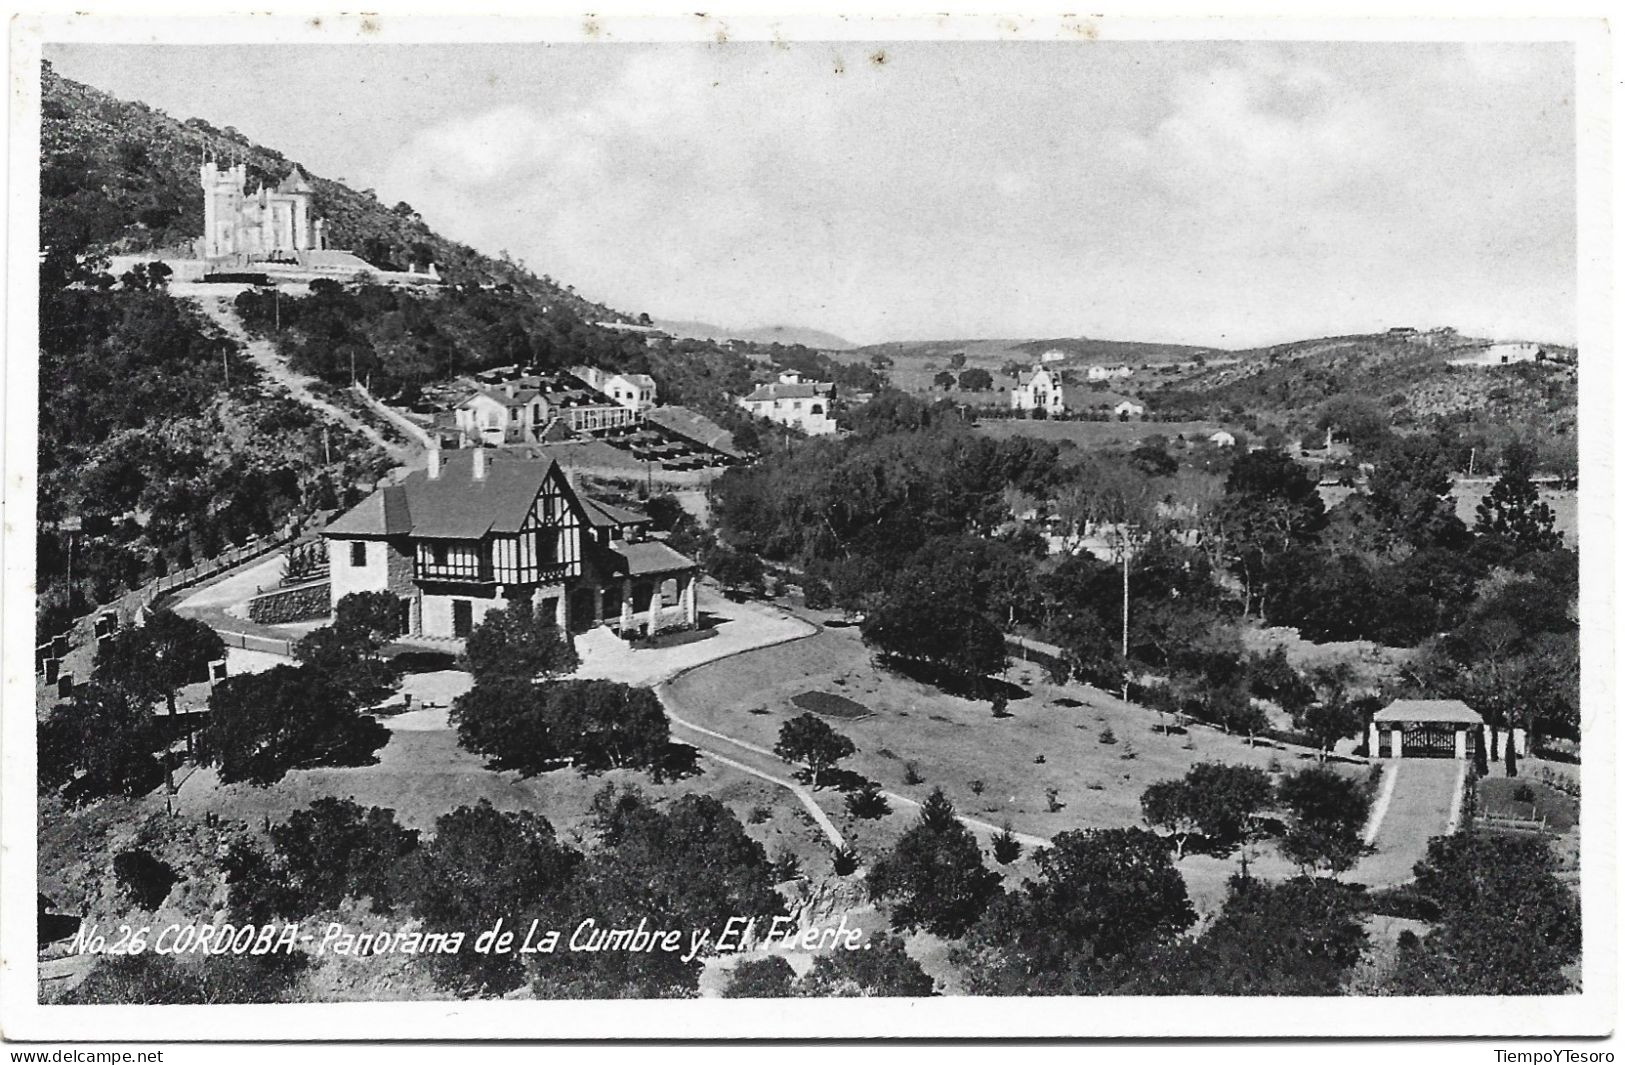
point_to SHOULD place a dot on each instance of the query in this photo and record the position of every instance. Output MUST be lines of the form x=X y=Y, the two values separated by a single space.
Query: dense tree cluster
x=1507 y=924
x=934 y=877
x=534 y=727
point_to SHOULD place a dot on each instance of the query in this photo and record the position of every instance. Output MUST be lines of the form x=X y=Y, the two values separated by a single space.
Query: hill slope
x=120 y=177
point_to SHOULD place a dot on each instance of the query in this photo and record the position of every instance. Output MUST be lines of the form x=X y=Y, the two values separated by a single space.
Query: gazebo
x=1425 y=728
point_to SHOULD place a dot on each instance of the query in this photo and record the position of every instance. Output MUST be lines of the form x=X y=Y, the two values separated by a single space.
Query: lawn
x=1497 y=797
x=990 y=768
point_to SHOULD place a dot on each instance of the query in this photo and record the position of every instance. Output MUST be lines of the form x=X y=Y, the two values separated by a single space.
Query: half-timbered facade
x=479 y=530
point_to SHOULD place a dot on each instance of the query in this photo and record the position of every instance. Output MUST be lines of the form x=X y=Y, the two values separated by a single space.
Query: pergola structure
x=1425 y=728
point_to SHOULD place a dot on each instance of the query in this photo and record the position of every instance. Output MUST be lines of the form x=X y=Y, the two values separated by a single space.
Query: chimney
x=434 y=461
x=508 y=388
x=479 y=464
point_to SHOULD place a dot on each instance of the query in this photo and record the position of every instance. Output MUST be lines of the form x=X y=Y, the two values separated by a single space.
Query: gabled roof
x=520 y=398
x=295 y=182
x=453 y=506
x=384 y=513
x=1451 y=711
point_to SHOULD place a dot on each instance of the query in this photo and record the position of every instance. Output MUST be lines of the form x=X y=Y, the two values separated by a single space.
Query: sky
x=1217 y=193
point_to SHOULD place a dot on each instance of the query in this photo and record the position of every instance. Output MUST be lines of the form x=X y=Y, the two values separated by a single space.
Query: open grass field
x=1096 y=434
x=422 y=774
x=991 y=768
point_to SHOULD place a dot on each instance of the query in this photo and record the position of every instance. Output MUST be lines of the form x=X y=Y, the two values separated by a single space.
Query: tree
x=328 y=852
x=934 y=877
x=1006 y=847
x=1328 y=812
x=1507 y=884
x=975 y=379
x=1217 y=800
x=506 y=720
x=690 y=866
x=262 y=725
x=769 y=977
x=880 y=969
x=603 y=724
x=1100 y=895
x=483 y=866
x=943 y=380
x=1271 y=506
x=737 y=571
x=956 y=361
x=1335 y=714
x=156 y=659
x=1512 y=509
x=101 y=742
x=1299 y=937
x=809 y=741
x=518 y=642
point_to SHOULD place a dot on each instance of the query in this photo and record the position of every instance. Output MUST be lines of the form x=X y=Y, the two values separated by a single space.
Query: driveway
x=1421 y=805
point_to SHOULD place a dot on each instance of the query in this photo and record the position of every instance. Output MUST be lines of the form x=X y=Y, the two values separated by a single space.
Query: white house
x=1109 y=373
x=791 y=401
x=1052 y=355
x=1039 y=390
x=1128 y=408
x=1222 y=439
x=634 y=391
x=1502 y=355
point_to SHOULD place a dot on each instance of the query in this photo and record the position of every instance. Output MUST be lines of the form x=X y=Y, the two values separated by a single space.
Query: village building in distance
x=793 y=402
x=1108 y=373
x=479 y=530
x=1039 y=390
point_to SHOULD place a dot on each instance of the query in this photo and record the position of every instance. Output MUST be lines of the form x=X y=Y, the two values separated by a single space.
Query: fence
x=249 y=642
x=137 y=602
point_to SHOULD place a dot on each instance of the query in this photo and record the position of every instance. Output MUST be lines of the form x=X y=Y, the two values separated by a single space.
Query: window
x=358 y=553
x=439 y=551
x=818 y=408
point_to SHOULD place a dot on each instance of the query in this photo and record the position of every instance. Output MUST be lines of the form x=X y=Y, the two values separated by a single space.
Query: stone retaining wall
x=299 y=603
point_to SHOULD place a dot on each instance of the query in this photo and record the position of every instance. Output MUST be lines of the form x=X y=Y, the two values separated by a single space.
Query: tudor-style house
x=480 y=529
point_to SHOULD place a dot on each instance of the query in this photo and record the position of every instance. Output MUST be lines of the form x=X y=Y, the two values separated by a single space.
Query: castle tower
x=222 y=208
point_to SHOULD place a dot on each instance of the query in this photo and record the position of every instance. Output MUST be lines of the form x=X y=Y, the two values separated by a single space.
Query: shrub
x=1107 y=736
x=978 y=786
x=816 y=594
x=1052 y=800
x=768 y=977
x=1006 y=847
x=911 y=774
x=143 y=879
x=867 y=803
x=1523 y=793
x=844 y=861
x=759 y=814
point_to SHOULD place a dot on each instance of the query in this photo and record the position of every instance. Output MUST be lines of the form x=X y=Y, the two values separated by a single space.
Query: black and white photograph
x=674 y=527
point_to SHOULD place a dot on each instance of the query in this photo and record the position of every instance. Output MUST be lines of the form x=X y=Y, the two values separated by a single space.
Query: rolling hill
x=787 y=335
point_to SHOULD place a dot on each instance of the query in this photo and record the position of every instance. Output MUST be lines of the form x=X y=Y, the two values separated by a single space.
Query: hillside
x=788 y=335
x=1403 y=378
x=988 y=352
x=120 y=177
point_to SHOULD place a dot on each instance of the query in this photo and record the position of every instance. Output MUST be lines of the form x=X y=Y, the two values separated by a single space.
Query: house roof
x=606 y=514
x=782 y=390
x=295 y=182
x=649 y=557
x=453 y=506
x=1450 y=711
x=520 y=398
x=694 y=426
x=642 y=380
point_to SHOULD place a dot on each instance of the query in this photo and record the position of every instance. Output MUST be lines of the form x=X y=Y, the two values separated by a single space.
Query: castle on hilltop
x=266 y=225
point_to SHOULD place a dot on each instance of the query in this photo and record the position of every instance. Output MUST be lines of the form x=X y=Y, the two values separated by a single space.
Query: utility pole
x=352 y=366
x=225 y=366
x=327 y=445
x=1472 y=454
x=1124 y=541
